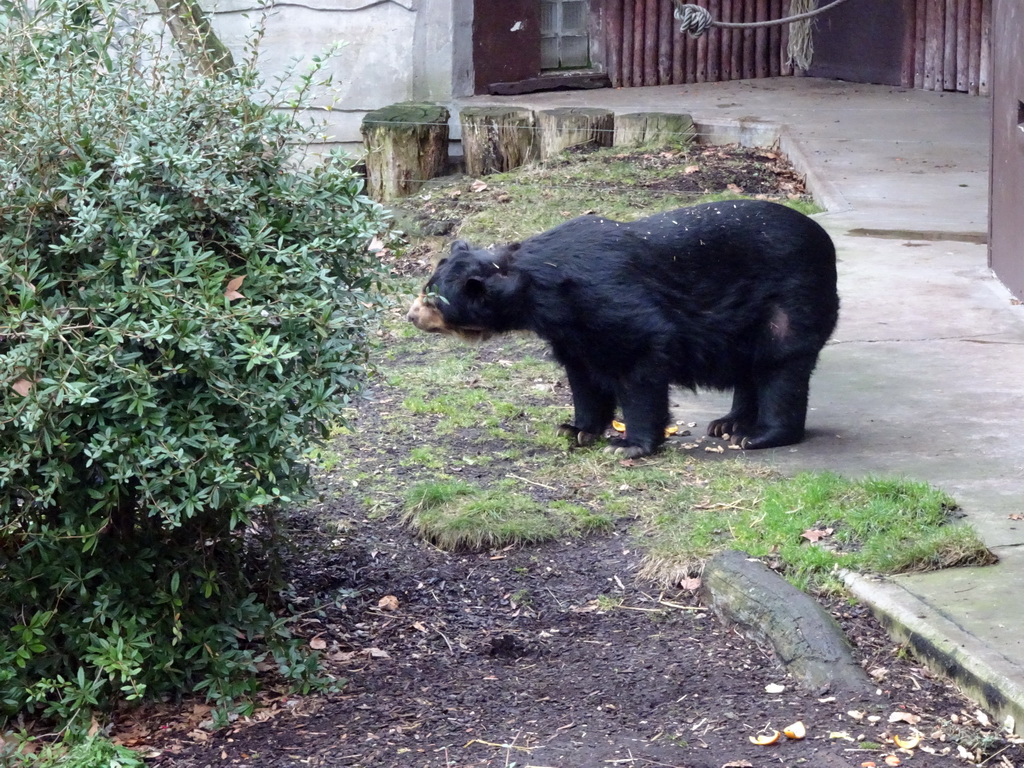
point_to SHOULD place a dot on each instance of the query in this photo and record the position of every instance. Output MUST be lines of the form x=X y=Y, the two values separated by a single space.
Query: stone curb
x=946 y=648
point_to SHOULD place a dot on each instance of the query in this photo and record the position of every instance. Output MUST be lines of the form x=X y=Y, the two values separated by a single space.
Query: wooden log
x=984 y=66
x=807 y=640
x=963 y=29
x=920 y=41
x=934 y=45
x=749 y=40
x=786 y=66
x=774 y=38
x=909 y=38
x=497 y=139
x=613 y=40
x=639 y=17
x=406 y=144
x=562 y=128
x=974 y=47
x=949 y=47
x=714 y=66
x=628 y=9
x=702 y=51
x=651 y=43
x=761 y=40
x=678 y=54
x=691 y=59
x=665 y=23
x=726 y=44
x=736 y=65
x=654 y=129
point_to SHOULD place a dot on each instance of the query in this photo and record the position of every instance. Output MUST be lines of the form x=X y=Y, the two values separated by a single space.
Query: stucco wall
x=390 y=51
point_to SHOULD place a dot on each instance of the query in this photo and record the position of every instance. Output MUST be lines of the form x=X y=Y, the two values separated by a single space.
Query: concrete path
x=924 y=374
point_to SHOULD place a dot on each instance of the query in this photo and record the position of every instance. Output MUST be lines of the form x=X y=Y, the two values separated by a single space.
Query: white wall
x=391 y=51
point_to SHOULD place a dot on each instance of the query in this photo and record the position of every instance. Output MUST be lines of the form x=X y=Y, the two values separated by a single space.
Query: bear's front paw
x=577 y=435
x=626 y=450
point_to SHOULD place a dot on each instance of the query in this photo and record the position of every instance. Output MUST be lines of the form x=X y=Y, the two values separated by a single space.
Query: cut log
x=406 y=145
x=653 y=129
x=560 y=129
x=497 y=139
x=807 y=640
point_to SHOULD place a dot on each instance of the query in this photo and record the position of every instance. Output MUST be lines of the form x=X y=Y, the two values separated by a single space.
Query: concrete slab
x=923 y=376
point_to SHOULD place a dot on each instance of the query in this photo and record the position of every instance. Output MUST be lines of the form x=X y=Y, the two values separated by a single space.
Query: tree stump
x=653 y=129
x=560 y=129
x=406 y=145
x=497 y=139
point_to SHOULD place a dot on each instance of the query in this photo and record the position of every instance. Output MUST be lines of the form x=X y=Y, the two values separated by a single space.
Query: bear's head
x=473 y=294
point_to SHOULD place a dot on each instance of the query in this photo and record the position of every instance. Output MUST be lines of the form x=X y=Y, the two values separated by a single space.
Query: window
x=564 y=40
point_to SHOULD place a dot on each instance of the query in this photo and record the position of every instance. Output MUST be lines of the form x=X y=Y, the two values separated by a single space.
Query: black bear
x=734 y=295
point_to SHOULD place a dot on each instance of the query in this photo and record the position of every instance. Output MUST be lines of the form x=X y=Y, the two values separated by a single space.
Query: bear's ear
x=458 y=246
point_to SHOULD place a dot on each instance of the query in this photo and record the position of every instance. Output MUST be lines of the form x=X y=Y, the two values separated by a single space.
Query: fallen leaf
x=318 y=643
x=714 y=449
x=376 y=653
x=376 y=244
x=23 y=387
x=738 y=764
x=232 y=290
x=1016 y=516
x=388 y=603
x=735 y=188
x=817 y=534
x=774 y=688
x=690 y=585
x=691 y=169
x=478 y=186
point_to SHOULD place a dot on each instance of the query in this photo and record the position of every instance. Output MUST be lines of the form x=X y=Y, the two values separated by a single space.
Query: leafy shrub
x=183 y=311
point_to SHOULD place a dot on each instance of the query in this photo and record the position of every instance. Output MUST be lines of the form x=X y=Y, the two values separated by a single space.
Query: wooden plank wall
x=948 y=46
x=645 y=47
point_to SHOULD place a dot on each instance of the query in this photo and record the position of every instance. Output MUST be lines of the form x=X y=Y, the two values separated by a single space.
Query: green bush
x=184 y=310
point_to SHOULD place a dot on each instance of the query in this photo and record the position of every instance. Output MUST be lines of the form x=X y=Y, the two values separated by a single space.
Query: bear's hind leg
x=743 y=415
x=781 y=405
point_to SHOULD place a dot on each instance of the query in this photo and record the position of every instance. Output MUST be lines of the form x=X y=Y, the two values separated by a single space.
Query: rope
x=697 y=20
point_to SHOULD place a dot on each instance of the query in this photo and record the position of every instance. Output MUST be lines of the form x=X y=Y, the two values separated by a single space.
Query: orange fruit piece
x=764 y=739
x=795 y=731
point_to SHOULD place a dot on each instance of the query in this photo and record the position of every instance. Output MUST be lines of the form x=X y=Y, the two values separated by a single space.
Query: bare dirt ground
x=550 y=656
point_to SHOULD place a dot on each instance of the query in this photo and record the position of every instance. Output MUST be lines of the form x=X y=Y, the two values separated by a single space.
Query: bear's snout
x=426 y=317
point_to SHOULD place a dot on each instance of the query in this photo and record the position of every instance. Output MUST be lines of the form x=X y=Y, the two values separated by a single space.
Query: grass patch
x=812 y=524
x=489 y=413
x=458 y=516
x=619 y=183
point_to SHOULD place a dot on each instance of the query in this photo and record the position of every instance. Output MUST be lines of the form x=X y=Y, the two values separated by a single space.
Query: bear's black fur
x=734 y=295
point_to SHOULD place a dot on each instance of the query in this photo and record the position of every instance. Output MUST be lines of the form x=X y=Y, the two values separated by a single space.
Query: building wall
x=388 y=51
